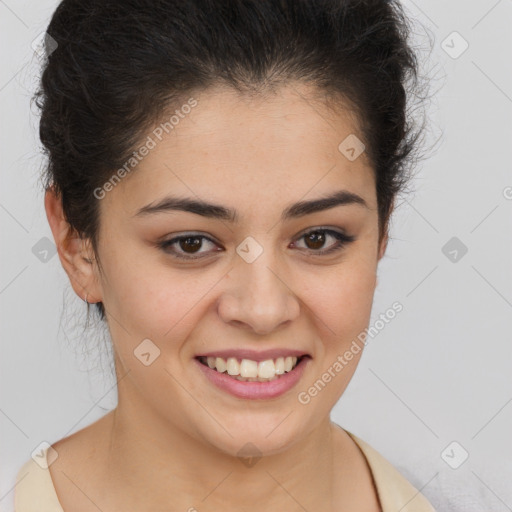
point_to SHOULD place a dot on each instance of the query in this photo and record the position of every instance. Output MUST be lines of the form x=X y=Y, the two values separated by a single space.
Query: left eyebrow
x=215 y=211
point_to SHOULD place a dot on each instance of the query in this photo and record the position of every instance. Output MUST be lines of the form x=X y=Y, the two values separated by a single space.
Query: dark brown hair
x=118 y=66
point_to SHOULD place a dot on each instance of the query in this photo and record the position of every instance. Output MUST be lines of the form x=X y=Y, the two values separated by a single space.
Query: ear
x=382 y=249
x=383 y=245
x=75 y=253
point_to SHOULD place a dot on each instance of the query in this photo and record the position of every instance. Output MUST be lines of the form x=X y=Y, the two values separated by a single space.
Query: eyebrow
x=215 y=211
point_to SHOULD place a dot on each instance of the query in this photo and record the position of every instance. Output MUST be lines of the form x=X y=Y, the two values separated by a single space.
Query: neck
x=161 y=466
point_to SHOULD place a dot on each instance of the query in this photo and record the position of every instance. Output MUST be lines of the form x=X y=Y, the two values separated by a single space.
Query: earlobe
x=75 y=253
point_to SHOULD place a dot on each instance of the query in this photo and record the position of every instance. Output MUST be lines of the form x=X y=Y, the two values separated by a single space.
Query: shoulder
x=394 y=490
x=34 y=489
x=41 y=488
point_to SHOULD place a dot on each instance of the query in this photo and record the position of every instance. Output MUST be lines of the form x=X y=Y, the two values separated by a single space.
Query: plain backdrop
x=434 y=385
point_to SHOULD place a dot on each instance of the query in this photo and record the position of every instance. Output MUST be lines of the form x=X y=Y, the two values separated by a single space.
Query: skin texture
x=172 y=441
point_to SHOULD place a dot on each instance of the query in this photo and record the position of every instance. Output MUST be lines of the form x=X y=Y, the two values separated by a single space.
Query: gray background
x=439 y=372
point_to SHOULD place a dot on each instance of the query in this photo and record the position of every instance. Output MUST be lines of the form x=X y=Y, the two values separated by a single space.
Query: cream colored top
x=35 y=492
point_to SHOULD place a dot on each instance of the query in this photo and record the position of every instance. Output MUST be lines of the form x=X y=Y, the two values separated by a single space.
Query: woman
x=220 y=182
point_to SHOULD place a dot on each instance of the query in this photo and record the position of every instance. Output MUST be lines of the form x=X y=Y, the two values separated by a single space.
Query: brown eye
x=189 y=244
x=188 y=247
x=315 y=240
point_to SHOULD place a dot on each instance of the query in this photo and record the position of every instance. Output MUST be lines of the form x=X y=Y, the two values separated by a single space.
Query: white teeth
x=220 y=364
x=232 y=366
x=266 y=369
x=249 y=370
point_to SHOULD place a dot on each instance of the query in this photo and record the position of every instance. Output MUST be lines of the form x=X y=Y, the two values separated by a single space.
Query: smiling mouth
x=247 y=370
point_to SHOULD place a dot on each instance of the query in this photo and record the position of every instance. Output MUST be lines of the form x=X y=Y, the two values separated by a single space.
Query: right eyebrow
x=216 y=211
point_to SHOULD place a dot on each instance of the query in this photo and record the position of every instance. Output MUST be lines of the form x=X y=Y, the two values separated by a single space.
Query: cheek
x=342 y=299
x=149 y=300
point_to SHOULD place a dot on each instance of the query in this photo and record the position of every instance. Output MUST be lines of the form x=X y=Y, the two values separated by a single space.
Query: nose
x=258 y=296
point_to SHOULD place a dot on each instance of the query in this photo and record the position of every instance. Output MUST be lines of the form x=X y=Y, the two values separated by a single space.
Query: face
x=260 y=281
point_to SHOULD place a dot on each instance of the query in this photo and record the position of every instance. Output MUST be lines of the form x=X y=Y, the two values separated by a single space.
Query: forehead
x=273 y=148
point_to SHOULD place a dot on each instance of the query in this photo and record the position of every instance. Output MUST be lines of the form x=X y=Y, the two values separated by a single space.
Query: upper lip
x=254 y=355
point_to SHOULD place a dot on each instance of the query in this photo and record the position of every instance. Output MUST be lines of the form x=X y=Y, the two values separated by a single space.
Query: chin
x=250 y=438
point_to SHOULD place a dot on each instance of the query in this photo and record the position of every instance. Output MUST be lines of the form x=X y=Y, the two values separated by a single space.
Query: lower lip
x=255 y=390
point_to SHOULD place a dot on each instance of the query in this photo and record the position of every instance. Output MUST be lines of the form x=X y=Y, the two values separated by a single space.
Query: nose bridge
x=258 y=295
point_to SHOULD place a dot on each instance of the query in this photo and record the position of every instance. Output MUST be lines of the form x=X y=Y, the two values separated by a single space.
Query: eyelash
x=342 y=241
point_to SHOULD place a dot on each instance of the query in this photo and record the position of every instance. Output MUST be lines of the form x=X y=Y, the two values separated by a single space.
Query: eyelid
x=163 y=244
x=341 y=236
x=323 y=228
